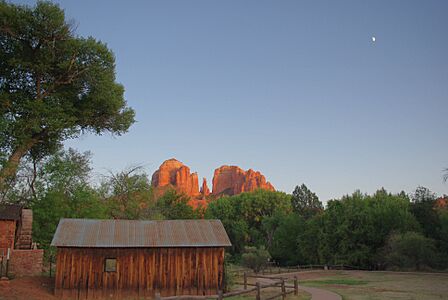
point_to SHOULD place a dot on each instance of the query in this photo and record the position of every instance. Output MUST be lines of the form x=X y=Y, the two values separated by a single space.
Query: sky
x=295 y=89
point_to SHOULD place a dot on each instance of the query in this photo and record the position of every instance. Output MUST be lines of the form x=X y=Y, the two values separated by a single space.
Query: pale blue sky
x=295 y=89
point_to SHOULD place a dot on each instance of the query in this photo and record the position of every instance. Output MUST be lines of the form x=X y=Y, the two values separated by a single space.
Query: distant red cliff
x=227 y=180
x=232 y=180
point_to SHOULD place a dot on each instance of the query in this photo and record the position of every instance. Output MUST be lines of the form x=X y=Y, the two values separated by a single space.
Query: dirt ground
x=28 y=288
x=348 y=284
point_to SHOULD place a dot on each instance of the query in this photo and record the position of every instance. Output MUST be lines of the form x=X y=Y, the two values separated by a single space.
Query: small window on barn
x=110 y=265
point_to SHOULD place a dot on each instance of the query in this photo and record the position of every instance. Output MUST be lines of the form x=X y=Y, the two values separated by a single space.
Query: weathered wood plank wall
x=140 y=272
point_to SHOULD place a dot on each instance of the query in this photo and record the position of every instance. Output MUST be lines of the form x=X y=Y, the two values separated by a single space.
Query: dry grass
x=382 y=285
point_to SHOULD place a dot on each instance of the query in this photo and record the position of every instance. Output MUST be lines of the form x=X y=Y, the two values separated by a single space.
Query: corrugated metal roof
x=10 y=212
x=136 y=233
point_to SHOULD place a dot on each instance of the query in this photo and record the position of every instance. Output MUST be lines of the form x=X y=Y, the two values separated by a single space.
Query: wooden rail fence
x=257 y=288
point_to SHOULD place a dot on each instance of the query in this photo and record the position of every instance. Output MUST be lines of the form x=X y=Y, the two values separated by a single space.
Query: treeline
x=379 y=231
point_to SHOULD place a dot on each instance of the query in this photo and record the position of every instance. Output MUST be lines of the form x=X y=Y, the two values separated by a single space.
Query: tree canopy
x=305 y=202
x=54 y=85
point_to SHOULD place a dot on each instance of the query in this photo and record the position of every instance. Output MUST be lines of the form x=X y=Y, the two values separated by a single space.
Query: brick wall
x=7 y=234
x=26 y=262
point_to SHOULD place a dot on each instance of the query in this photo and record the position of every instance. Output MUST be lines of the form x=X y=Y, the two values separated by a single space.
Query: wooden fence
x=257 y=287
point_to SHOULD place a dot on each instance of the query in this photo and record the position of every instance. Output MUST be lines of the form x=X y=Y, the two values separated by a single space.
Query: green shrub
x=255 y=258
x=410 y=251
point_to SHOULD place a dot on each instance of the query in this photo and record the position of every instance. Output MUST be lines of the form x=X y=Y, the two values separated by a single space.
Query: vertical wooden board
x=141 y=271
x=72 y=270
x=64 y=269
x=148 y=268
x=221 y=268
x=57 y=277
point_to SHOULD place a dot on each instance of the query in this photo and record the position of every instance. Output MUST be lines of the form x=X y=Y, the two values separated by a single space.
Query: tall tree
x=305 y=202
x=128 y=194
x=423 y=202
x=54 y=85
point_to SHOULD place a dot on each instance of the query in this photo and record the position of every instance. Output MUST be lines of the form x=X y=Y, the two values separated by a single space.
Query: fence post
x=220 y=295
x=258 y=285
x=158 y=296
x=283 y=289
x=245 y=280
x=296 y=285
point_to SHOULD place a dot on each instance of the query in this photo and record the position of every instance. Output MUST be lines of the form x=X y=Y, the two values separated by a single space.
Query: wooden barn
x=129 y=258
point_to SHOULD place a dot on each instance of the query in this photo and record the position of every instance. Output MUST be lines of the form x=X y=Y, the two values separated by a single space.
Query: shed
x=121 y=258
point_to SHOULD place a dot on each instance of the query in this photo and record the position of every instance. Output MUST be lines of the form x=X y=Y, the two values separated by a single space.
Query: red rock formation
x=204 y=189
x=227 y=180
x=232 y=180
x=175 y=174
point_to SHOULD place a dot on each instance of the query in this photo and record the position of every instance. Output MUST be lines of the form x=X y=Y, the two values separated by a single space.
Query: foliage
x=357 y=226
x=250 y=218
x=175 y=206
x=229 y=276
x=305 y=202
x=284 y=248
x=422 y=208
x=410 y=250
x=128 y=194
x=443 y=242
x=63 y=191
x=255 y=258
x=82 y=203
x=54 y=85
x=422 y=195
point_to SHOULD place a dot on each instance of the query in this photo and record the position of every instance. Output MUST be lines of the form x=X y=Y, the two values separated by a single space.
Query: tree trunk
x=10 y=169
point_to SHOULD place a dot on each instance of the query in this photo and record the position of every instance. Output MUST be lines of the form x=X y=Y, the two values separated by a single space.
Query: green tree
x=175 y=206
x=305 y=202
x=63 y=191
x=443 y=242
x=357 y=226
x=227 y=210
x=128 y=195
x=422 y=207
x=285 y=248
x=250 y=218
x=54 y=85
x=410 y=251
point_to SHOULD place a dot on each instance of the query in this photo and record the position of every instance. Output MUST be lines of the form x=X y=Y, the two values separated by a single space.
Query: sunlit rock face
x=227 y=180
x=173 y=173
x=232 y=180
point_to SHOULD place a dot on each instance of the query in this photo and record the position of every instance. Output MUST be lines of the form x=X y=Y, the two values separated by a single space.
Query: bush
x=255 y=258
x=410 y=251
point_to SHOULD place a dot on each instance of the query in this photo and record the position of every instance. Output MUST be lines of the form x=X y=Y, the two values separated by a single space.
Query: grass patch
x=337 y=281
